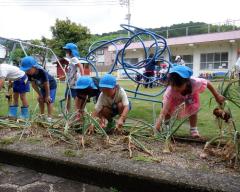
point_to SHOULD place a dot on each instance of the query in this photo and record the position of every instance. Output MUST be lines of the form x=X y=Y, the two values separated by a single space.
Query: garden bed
x=181 y=170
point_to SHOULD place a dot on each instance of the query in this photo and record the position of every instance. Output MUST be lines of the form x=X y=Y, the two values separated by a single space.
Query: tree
x=65 y=31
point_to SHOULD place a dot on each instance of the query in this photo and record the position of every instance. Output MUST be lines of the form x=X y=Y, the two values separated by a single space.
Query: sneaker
x=194 y=133
x=42 y=117
x=49 y=119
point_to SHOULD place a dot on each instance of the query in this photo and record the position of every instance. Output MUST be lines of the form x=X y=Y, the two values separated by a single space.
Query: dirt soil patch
x=184 y=155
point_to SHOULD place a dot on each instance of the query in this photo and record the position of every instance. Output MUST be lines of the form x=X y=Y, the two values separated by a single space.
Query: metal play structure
x=157 y=46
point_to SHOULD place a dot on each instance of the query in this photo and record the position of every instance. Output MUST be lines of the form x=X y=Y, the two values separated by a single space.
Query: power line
x=57 y=2
x=54 y=1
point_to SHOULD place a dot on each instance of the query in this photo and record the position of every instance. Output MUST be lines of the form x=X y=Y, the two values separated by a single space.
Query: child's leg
x=68 y=100
x=50 y=105
x=71 y=94
x=105 y=113
x=79 y=106
x=24 y=108
x=50 y=109
x=120 y=107
x=13 y=109
x=193 y=120
x=193 y=126
x=23 y=98
x=41 y=107
x=15 y=98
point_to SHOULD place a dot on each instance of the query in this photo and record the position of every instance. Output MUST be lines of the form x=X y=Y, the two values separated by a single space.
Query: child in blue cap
x=74 y=70
x=42 y=82
x=20 y=88
x=184 y=89
x=86 y=88
x=112 y=101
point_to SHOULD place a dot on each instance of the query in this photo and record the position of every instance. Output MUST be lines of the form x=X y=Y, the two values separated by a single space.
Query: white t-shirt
x=10 y=72
x=163 y=71
x=73 y=73
x=105 y=101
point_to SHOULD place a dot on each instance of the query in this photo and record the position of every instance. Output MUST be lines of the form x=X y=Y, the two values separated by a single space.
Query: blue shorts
x=73 y=92
x=52 y=94
x=21 y=85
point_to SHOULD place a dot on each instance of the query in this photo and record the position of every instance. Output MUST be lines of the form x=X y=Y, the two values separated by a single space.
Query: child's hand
x=103 y=122
x=118 y=130
x=220 y=99
x=48 y=99
x=119 y=123
x=158 y=125
x=91 y=129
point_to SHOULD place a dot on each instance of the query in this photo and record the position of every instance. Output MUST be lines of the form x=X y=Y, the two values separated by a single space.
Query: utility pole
x=128 y=16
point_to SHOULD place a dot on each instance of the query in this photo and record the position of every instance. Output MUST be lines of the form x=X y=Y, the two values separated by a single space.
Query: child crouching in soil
x=112 y=101
x=86 y=88
x=183 y=88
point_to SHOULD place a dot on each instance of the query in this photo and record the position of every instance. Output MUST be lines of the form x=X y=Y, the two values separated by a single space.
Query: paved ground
x=18 y=179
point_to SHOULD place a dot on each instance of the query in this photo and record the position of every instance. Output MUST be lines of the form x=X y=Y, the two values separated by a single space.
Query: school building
x=204 y=53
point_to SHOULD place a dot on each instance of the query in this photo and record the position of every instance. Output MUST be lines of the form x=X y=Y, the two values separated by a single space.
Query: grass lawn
x=143 y=109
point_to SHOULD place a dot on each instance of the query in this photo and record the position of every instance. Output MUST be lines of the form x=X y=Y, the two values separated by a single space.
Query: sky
x=33 y=22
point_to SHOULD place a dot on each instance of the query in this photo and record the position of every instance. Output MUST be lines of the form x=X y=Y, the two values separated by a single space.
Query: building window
x=188 y=59
x=214 y=60
x=100 y=52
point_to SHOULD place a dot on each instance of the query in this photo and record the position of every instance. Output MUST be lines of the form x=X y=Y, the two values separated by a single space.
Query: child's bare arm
x=47 y=91
x=35 y=87
x=122 y=117
x=80 y=66
x=162 y=116
x=158 y=122
x=219 y=98
x=101 y=118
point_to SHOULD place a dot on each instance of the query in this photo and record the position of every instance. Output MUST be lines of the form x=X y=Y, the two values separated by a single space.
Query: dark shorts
x=52 y=94
x=21 y=85
x=115 y=109
x=90 y=93
x=70 y=92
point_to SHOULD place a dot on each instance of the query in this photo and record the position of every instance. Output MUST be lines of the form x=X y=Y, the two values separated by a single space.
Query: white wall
x=3 y=52
x=52 y=69
x=196 y=51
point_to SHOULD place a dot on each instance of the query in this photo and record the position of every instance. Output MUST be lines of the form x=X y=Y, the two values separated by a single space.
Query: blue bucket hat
x=85 y=82
x=183 y=71
x=27 y=63
x=108 y=81
x=73 y=48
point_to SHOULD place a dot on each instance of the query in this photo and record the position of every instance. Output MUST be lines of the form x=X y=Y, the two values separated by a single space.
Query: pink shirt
x=172 y=99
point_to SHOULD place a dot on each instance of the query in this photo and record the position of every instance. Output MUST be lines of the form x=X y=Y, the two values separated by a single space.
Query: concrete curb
x=122 y=174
